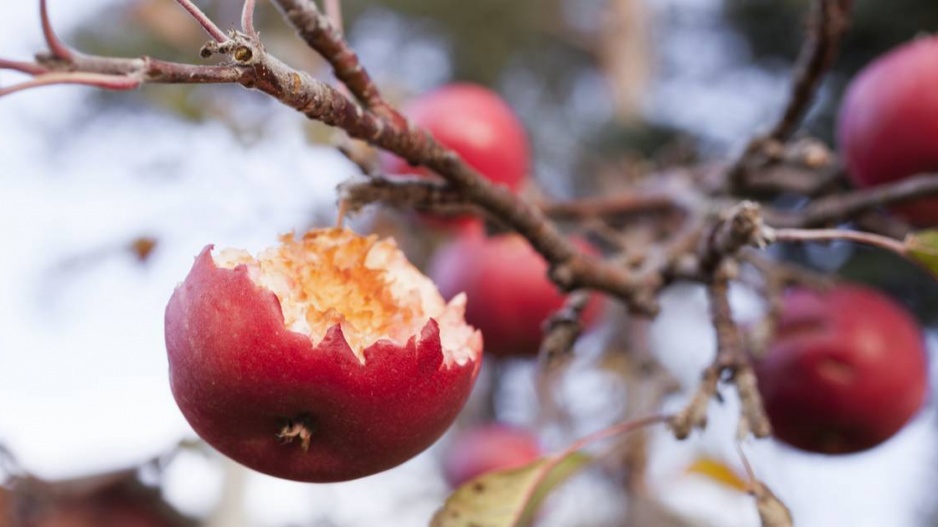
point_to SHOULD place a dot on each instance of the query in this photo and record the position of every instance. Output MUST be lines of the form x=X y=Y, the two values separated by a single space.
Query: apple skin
x=845 y=372
x=483 y=449
x=508 y=291
x=478 y=125
x=888 y=124
x=238 y=374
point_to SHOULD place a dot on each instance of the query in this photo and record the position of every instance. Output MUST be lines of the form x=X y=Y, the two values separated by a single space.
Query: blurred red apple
x=328 y=358
x=845 y=371
x=477 y=451
x=478 y=125
x=115 y=499
x=508 y=292
x=888 y=127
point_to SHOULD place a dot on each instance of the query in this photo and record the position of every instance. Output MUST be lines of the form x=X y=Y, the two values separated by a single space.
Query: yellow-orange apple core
x=366 y=285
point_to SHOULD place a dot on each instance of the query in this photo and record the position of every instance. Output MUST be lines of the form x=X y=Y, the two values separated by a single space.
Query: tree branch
x=324 y=36
x=829 y=235
x=829 y=22
x=842 y=207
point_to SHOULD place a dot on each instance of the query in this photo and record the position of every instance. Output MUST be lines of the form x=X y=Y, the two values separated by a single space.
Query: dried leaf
x=718 y=472
x=772 y=511
x=507 y=498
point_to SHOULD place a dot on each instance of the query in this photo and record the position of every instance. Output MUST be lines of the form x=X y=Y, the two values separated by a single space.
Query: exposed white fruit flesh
x=366 y=285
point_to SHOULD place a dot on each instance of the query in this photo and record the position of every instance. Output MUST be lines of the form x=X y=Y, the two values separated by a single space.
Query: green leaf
x=507 y=498
x=922 y=247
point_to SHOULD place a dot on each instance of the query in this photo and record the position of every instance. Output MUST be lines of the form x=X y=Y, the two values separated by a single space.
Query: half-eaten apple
x=328 y=358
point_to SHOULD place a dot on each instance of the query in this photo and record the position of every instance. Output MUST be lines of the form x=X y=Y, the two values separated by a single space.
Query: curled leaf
x=507 y=498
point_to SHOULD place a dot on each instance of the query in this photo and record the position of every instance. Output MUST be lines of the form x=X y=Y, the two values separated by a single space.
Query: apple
x=487 y=448
x=478 y=125
x=888 y=124
x=116 y=499
x=327 y=358
x=845 y=371
x=508 y=290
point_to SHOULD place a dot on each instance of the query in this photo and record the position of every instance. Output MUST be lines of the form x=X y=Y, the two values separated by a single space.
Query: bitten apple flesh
x=326 y=359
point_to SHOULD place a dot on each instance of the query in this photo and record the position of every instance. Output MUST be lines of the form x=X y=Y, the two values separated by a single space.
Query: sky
x=83 y=373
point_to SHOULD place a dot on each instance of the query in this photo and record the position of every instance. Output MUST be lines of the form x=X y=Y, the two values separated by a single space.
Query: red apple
x=328 y=358
x=888 y=127
x=487 y=448
x=845 y=371
x=478 y=125
x=509 y=293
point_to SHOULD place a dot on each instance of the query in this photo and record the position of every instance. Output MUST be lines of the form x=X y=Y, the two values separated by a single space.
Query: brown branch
x=842 y=207
x=739 y=227
x=404 y=193
x=323 y=35
x=631 y=202
x=829 y=22
x=806 y=167
x=562 y=329
x=730 y=361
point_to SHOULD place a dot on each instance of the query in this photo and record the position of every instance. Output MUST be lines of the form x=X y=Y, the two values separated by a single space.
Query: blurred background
x=106 y=197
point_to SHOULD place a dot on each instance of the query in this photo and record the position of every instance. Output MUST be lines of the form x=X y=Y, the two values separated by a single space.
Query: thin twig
x=829 y=22
x=739 y=227
x=830 y=235
x=561 y=331
x=105 y=82
x=56 y=46
x=404 y=193
x=846 y=206
x=247 y=18
x=620 y=204
x=29 y=68
x=214 y=31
